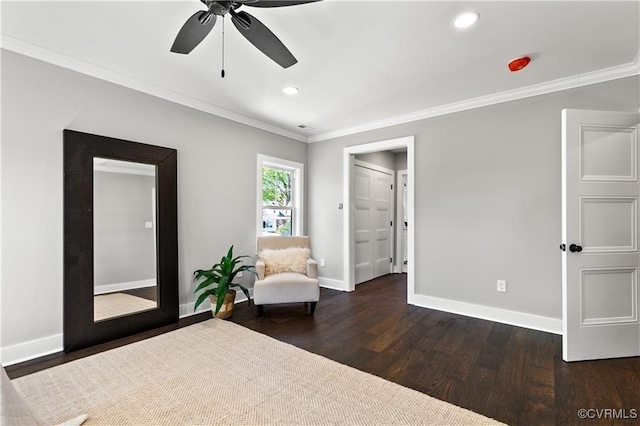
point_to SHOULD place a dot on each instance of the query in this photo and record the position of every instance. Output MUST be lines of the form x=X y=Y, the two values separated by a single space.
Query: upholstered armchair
x=286 y=273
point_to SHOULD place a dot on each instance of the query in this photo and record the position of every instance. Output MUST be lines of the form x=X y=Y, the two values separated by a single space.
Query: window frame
x=297 y=170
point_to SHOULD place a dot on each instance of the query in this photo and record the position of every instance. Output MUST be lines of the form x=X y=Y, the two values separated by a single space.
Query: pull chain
x=222 y=72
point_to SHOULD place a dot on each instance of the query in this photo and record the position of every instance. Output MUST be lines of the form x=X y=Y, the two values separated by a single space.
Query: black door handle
x=574 y=248
x=563 y=247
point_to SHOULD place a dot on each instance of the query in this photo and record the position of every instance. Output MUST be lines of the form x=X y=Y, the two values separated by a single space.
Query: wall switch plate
x=148 y=225
x=322 y=263
x=502 y=286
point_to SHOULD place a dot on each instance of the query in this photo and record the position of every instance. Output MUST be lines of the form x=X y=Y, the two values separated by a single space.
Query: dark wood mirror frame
x=80 y=330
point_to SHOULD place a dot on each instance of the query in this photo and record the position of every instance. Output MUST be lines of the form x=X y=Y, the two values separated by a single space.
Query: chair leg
x=260 y=310
x=313 y=307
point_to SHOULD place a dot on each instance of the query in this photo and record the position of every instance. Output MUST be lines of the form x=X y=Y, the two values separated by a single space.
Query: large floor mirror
x=120 y=238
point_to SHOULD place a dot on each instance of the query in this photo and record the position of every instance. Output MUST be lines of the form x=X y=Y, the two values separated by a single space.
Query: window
x=279 y=196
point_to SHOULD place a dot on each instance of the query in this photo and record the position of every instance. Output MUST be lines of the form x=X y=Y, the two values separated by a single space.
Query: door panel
x=382 y=248
x=597 y=215
x=600 y=197
x=608 y=153
x=362 y=216
x=609 y=295
x=372 y=223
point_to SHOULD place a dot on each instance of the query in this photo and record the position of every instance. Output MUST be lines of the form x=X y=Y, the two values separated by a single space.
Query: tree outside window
x=277 y=201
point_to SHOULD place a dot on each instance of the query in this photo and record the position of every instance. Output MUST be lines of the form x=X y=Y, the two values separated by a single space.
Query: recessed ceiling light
x=291 y=90
x=466 y=20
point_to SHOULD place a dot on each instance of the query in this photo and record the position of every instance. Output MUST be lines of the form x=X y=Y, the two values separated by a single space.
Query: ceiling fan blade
x=274 y=3
x=193 y=32
x=262 y=38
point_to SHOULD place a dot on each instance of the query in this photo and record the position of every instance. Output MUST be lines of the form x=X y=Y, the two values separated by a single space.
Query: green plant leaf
x=208 y=273
x=202 y=298
x=242 y=268
x=220 y=301
x=244 y=290
x=205 y=283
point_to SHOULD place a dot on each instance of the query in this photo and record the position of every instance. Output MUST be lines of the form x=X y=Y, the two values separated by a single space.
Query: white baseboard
x=110 y=288
x=52 y=344
x=332 y=284
x=32 y=349
x=520 y=319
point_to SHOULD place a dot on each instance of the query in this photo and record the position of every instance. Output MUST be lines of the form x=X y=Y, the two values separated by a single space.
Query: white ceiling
x=362 y=64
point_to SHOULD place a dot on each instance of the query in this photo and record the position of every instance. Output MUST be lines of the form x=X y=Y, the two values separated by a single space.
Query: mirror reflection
x=124 y=215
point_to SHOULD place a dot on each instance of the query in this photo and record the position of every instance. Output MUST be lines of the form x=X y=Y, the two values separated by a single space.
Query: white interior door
x=382 y=196
x=600 y=234
x=363 y=206
x=372 y=223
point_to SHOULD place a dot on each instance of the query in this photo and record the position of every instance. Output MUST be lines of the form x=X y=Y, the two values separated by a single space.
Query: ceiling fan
x=200 y=24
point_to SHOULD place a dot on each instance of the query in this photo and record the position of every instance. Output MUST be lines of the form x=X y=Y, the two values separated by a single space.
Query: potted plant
x=217 y=284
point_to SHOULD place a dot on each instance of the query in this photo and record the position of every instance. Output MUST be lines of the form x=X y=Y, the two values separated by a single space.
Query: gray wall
x=217 y=162
x=384 y=159
x=488 y=199
x=400 y=161
x=123 y=248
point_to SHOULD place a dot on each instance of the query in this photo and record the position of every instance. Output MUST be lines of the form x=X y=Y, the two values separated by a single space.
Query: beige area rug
x=116 y=304
x=217 y=372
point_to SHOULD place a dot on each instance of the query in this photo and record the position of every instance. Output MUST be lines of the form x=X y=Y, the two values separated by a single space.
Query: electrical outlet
x=322 y=263
x=502 y=286
x=239 y=275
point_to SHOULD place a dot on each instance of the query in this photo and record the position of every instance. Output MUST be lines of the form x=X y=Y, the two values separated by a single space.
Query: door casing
x=349 y=152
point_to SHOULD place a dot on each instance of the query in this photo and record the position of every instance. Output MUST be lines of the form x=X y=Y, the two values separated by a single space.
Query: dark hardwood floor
x=512 y=374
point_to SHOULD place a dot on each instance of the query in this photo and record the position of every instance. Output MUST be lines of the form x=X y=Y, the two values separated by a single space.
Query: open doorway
x=349 y=164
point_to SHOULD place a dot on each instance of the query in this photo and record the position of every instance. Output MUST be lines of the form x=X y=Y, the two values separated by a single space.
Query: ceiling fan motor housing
x=219 y=8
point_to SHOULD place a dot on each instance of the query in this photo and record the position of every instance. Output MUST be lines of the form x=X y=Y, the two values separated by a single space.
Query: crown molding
x=41 y=53
x=56 y=58
x=579 y=80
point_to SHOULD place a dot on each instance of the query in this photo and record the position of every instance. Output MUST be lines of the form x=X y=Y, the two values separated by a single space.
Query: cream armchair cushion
x=292 y=278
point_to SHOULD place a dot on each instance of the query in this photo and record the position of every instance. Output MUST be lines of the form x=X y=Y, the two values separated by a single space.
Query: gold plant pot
x=226 y=310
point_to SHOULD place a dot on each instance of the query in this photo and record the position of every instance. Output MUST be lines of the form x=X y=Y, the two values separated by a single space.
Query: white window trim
x=298 y=189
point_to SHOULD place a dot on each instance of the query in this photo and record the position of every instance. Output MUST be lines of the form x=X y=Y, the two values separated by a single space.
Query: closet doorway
x=349 y=191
